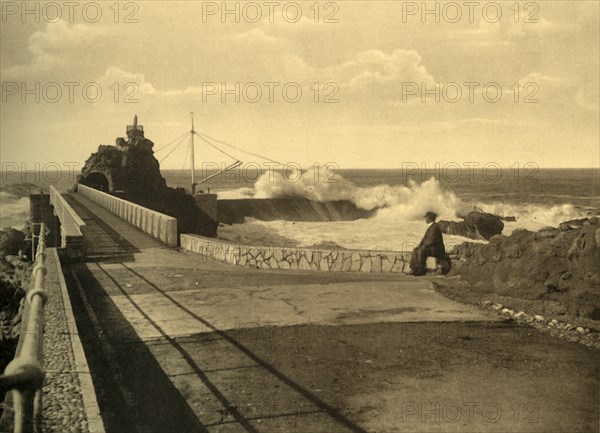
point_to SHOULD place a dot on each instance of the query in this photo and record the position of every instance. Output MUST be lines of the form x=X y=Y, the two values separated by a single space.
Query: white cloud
x=381 y=74
x=507 y=32
x=536 y=77
x=116 y=75
x=256 y=35
x=59 y=44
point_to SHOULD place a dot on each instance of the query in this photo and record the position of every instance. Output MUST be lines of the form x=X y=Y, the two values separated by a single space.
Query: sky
x=360 y=84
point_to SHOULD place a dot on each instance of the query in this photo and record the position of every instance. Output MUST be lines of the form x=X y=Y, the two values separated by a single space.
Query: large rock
x=486 y=224
x=11 y=241
x=130 y=170
x=476 y=225
x=548 y=264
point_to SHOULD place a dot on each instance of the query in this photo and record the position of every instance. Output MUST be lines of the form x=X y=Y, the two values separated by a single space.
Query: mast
x=192 y=132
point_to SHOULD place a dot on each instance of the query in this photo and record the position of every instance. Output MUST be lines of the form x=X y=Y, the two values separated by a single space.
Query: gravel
x=64 y=410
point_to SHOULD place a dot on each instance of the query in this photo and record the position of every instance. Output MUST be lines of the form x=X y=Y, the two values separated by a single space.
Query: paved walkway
x=186 y=343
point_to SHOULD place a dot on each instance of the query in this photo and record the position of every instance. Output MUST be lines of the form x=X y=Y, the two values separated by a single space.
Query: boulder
x=549 y=264
x=485 y=223
x=475 y=225
x=11 y=241
x=574 y=224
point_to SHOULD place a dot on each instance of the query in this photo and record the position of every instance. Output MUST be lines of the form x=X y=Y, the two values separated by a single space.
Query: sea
x=535 y=197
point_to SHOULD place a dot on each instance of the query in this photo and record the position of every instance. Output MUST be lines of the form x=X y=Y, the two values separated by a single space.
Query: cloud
x=58 y=45
x=256 y=36
x=282 y=30
x=522 y=29
x=507 y=32
x=537 y=77
x=381 y=74
x=562 y=89
x=116 y=75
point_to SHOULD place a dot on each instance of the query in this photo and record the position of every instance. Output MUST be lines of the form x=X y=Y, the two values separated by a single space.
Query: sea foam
x=398 y=223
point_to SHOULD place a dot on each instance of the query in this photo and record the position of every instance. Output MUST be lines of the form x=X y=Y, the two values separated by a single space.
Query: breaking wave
x=400 y=202
x=398 y=219
x=14 y=211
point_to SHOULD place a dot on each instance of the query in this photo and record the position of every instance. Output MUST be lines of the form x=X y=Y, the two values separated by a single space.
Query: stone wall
x=276 y=257
x=156 y=224
x=41 y=211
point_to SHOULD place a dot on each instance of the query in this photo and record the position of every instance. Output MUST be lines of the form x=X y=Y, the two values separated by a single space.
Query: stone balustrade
x=156 y=224
x=315 y=259
x=70 y=225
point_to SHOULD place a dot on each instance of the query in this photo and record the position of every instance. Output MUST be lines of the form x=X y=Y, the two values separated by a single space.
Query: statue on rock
x=135 y=138
x=131 y=171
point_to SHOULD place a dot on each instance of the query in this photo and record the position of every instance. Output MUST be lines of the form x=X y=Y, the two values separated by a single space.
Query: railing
x=70 y=225
x=156 y=224
x=25 y=374
x=69 y=220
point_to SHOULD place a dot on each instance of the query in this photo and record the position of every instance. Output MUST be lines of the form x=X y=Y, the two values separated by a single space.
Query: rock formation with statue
x=129 y=170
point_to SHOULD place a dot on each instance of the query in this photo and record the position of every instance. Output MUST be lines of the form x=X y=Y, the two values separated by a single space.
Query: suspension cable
x=187 y=152
x=173 y=150
x=303 y=170
x=204 y=136
x=170 y=143
x=212 y=145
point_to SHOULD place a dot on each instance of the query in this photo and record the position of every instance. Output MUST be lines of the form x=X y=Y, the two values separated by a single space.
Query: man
x=432 y=245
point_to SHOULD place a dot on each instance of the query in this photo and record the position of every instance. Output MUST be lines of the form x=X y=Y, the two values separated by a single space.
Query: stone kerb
x=158 y=225
x=71 y=224
x=314 y=259
x=68 y=217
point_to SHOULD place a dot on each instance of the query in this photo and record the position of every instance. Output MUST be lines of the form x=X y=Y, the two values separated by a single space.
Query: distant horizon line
x=429 y=168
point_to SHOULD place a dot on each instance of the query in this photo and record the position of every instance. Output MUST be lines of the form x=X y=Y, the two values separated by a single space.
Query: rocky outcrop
x=130 y=170
x=561 y=264
x=15 y=273
x=11 y=241
x=476 y=225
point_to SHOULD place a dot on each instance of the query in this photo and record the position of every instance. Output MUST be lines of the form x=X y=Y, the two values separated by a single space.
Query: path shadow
x=133 y=391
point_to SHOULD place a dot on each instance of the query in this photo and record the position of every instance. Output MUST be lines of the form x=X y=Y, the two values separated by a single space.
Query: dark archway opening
x=96 y=180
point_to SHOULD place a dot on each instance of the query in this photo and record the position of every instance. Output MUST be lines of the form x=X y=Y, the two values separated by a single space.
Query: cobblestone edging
x=555 y=327
x=69 y=399
x=277 y=257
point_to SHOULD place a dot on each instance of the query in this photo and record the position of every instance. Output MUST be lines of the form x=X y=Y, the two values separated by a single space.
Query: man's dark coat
x=432 y=245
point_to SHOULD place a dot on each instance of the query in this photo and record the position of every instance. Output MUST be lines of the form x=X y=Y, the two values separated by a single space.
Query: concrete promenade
x=178 y=342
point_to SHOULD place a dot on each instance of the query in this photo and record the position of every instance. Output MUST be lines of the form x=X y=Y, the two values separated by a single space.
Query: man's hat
x=430 y=214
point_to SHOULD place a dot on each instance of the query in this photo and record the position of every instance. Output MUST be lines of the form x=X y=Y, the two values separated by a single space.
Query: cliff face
x=131 y=171
x=561 y=264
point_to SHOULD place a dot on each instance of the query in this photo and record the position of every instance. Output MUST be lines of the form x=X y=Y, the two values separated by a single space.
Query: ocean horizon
x=535 y=197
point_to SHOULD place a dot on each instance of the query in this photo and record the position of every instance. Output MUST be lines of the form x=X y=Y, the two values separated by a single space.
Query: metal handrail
x=25 y=374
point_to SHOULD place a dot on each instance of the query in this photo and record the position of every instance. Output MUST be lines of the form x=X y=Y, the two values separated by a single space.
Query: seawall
x=310 y=259
x=233 y=211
